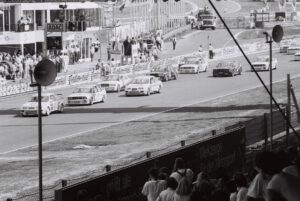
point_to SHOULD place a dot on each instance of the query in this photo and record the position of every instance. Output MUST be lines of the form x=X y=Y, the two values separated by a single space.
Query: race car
x=263 y=63
x=115 y=82
x=144 y=85
x=165 y=73
x=193 y=64
x=228 y=68
x=50 y=103
x=293 y=49
x=87 y=95
x=297 y=56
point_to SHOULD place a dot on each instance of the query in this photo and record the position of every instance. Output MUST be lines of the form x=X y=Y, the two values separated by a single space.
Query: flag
x=282 y=4
x=124 y=4
x=294 y=5
x=151 y=5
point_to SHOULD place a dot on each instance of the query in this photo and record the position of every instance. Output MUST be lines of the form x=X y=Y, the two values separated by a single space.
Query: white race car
x=193 y=65
x=87 y=95
x=50 y=103
x=115 y=82
x=144 y=85
x=262 y=63
x=297 y=56
x=293 y=49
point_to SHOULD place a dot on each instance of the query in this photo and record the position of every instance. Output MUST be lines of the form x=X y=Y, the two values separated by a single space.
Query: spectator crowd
x=275 y=176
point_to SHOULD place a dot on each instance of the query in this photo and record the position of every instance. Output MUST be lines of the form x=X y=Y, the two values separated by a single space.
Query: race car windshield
x=262 y=59
x=83 y=90
x=225 y=65
x=35 y=99
x=192 y=61
x=111 y=78
x=140 y=81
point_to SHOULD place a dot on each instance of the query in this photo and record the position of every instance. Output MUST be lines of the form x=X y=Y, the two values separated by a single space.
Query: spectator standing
x=168 y=194
x=211 y=51
x=113 y=41
x=241 y=184
x=174 y=41
x=178 y=170
x=202 y=188
x=153 y=187
x=72 y=53
x=282 y=186
x=200 y=49
x=77 y=53
x=92 y=52
x=294 y=168
x=264 y=164
x=108 y=52
x=231 y=188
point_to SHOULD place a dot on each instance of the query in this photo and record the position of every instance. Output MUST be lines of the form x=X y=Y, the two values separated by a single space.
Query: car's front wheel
x=148 y=92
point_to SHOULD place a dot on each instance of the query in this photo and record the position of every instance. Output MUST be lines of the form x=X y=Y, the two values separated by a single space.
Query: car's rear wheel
x=103 y=98
x=61 y=108
x=159 y=88
x=47 y=112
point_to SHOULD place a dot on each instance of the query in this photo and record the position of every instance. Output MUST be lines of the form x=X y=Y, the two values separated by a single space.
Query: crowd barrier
x=225 y=150
x=136 y=69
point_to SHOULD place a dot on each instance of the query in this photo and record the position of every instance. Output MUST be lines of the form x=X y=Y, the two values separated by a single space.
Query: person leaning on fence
x=154 y=186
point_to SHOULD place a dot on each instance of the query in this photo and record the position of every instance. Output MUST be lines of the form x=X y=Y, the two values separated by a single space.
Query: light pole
x=277 y=34
x=269 y=40
x=44 y=74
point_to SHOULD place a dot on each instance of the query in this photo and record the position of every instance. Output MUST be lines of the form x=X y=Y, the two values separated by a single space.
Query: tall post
x=269 y=40
x=40 y=142
x=271 y=91
x=288 y=109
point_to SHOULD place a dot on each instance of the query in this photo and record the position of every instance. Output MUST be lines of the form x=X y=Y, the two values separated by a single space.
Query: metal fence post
x=266 y=130
x=182 y=143
x=213 y=132
x=64 y=183
x=148 y=154
x=288 y=109
x=108 y=168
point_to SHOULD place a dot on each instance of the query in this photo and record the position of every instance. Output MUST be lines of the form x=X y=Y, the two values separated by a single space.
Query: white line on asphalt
x=238 y=7
x=149 y=115
x=235 y=36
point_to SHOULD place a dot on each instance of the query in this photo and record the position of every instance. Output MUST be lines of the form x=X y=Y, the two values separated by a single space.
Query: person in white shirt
x=241 y=183
x=283 y=185
x=168 y=194
x=264 y=164
x=153 y=187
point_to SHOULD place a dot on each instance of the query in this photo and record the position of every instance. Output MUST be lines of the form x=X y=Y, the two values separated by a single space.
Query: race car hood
x=137 y=85
x=33 y=104
x=260 y=63
x=189 y=65
x=110 y=82
x=80 y=95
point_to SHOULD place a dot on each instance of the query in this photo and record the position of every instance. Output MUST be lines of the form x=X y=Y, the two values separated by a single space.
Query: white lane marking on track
x=235 y=36
x=149 y=115
x=238 y=6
